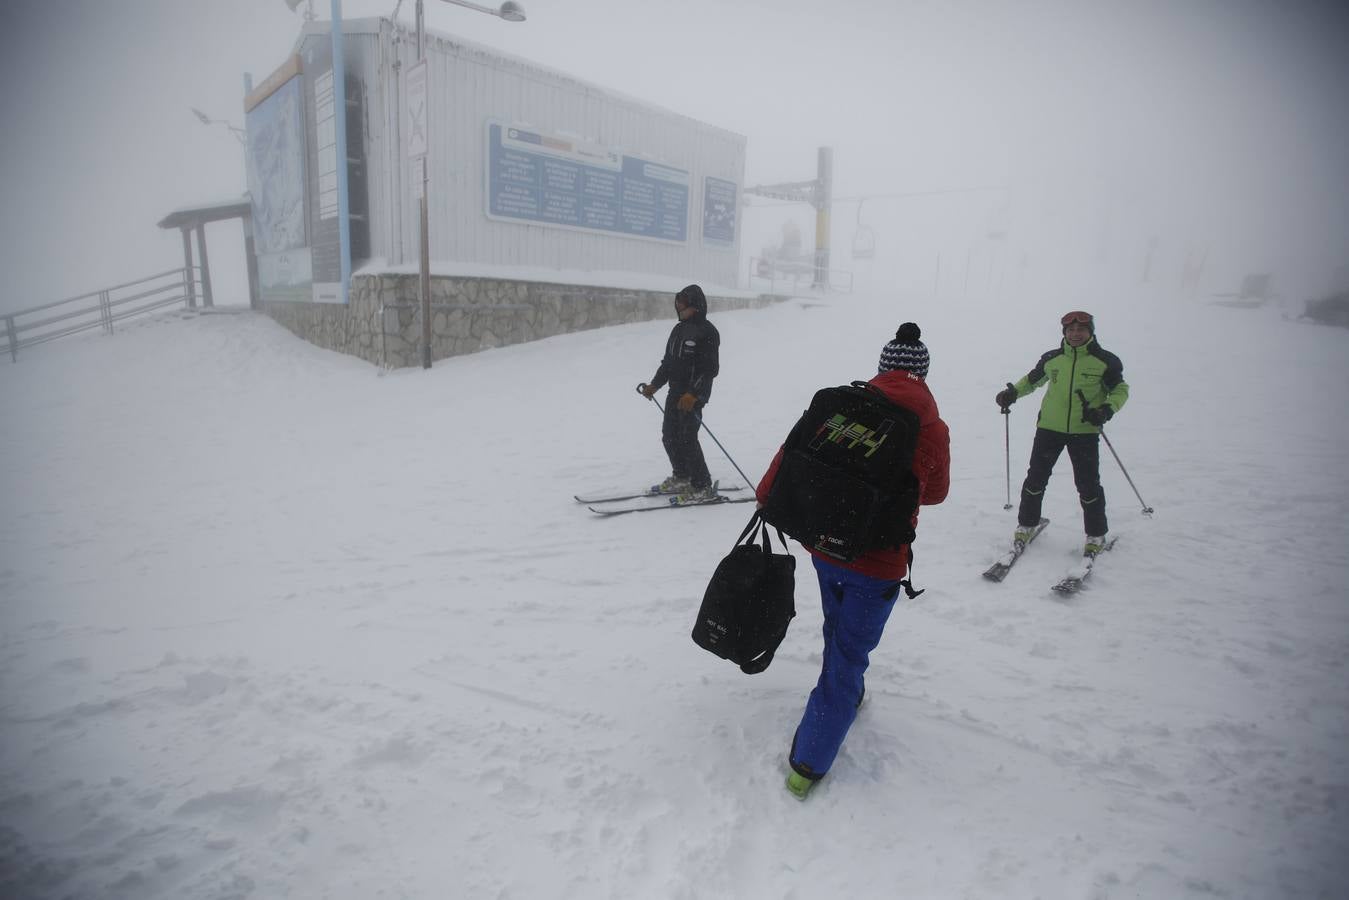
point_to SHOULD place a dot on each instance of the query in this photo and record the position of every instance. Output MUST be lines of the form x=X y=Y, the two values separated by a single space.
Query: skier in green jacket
x=1086 y=388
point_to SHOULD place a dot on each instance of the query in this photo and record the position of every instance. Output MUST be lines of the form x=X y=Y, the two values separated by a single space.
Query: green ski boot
x=799 y=785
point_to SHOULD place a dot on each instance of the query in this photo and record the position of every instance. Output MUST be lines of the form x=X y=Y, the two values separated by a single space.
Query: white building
x=528 y=169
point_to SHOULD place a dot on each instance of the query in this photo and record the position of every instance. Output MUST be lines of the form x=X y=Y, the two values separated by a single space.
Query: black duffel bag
x=749 y=602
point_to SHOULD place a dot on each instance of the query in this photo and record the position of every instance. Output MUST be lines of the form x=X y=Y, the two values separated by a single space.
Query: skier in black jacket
x=689 y=366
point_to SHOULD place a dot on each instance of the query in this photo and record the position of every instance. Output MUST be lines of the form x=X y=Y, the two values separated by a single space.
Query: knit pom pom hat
x=906 y=352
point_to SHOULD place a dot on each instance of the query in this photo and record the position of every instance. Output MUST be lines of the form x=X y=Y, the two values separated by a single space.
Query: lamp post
x=239 y=134
x=509 y=11
x=308 y=10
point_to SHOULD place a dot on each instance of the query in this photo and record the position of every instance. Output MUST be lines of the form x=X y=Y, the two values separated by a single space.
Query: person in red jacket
x=858 y=596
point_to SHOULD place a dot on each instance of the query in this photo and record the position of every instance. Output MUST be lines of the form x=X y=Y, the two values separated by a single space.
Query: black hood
x=693 y=296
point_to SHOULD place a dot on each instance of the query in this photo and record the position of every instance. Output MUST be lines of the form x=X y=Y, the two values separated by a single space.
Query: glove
x=1006 y=397
x=647 y=390
x=687 y=402
x=1099 y=415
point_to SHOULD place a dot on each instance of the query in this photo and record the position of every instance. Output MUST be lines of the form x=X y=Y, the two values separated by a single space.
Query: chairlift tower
x=819 y=193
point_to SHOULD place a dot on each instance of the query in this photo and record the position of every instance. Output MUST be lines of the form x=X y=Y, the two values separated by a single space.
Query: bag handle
x=748 y=538
x=752 y=531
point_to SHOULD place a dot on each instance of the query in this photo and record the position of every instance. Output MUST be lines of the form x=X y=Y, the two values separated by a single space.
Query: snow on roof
x=372 y=25
x=210 y=211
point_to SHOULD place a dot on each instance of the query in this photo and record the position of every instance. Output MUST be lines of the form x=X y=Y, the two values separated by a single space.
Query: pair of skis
x=1071 y=583
x=672 y=501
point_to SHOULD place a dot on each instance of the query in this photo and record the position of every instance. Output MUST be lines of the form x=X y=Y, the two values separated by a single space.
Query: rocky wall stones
x=382 y=322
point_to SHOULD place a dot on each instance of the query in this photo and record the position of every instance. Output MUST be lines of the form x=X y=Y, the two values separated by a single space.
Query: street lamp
x=308 y=11
x=239 y=133
x=512 y=11
x=509 y=11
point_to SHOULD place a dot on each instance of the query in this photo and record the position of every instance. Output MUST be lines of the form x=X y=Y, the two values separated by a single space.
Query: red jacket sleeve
x=766 y=482
x=932 y=462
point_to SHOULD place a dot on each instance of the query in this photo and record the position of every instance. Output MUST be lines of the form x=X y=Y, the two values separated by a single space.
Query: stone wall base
x=382 y=322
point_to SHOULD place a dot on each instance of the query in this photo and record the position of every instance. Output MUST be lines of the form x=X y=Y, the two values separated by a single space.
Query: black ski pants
x=679 y=434
x=1085 y=452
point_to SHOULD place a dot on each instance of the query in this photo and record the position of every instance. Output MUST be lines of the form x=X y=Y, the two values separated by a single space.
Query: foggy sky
x=1213 y=124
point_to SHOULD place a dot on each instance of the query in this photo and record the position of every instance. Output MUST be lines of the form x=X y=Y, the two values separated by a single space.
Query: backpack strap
x=872 y=389
x=907 y=583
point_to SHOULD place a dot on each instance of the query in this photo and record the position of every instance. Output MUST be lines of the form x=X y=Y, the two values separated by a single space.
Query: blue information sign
x=719 y=205
x=549 y=180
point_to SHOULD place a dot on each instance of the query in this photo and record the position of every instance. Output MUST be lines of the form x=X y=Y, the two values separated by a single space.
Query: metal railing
x=791 y=275
x=99 y=309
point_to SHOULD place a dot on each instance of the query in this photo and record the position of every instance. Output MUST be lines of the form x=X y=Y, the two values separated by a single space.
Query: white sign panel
x=550 y=179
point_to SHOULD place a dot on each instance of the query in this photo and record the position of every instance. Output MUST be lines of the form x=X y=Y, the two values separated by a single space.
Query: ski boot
x=696 y=495
x=799 y=785
x=672 y=485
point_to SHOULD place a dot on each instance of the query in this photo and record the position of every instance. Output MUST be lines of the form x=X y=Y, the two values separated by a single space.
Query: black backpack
x=845 y=484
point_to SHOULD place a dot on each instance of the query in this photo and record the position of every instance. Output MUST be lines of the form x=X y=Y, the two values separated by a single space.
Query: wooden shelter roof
x=192 y=216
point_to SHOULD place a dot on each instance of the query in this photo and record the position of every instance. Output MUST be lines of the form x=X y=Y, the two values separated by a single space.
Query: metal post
x=206 y=298
x=246 y=220
x=343 y=152
x=396 y=126
x=425 y=271
x=824 y=193
x=189 y=281
x=425 y=266
x=251 y=259
x=105 y=310
x=13 y=339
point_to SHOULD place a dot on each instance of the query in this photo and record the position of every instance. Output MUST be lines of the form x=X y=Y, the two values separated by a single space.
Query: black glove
x=1099 y=415
x=1006 y=397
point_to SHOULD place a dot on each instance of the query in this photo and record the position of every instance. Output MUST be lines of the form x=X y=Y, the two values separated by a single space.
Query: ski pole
x=1007 y=448
x=1147 y=510
x=709 y=434
x=702 y=422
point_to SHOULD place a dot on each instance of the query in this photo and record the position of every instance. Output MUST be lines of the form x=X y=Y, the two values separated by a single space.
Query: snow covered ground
x=273 y=624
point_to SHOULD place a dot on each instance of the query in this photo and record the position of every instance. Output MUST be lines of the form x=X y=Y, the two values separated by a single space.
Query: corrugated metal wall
x=471 y=86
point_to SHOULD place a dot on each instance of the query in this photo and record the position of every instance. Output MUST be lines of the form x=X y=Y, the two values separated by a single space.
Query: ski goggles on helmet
x=1076 y=317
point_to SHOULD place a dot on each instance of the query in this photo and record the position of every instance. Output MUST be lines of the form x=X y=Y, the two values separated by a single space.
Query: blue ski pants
x=856 y=608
